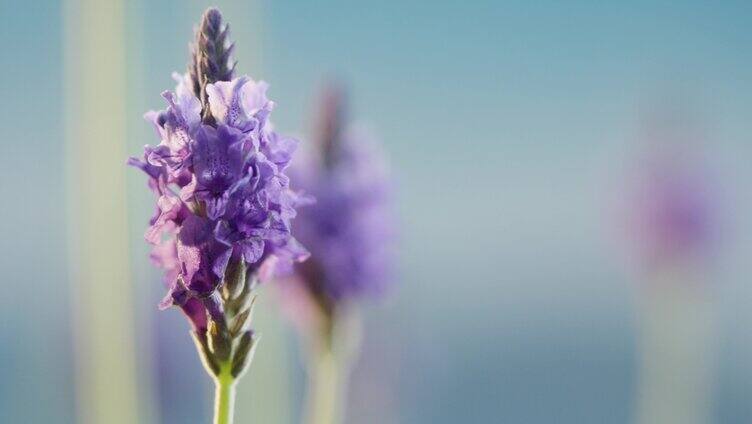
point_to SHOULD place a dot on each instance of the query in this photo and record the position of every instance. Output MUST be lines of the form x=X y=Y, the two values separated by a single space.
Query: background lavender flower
x=674 y=223
x=673 y=214
x=672 y=209
x=350 y=228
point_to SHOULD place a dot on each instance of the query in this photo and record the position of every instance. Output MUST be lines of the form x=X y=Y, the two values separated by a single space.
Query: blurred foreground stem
x=224 y=400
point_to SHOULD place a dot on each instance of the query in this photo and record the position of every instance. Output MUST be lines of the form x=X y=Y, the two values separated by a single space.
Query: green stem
x=224 y=400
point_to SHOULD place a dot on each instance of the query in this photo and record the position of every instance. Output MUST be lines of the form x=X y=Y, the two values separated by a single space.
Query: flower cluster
x=218 y=173
x=349 y=229
x=673 y=212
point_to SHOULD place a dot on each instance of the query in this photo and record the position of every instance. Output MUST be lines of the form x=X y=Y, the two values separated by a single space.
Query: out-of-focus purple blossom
x=672 y=204
x=350 y=227
x=218 y=175
x=674 y=215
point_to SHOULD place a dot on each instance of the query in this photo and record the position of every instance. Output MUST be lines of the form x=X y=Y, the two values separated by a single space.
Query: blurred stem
x=224 y=400
x=323 y=387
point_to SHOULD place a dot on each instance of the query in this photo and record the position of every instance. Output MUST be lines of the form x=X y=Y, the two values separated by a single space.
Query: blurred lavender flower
x=673 y=211
x=350 y=228
x=224 y=203
x=674 y=222
x=673 y=215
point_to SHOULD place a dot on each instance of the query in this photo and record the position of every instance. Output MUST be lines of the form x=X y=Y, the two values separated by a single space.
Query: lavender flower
x=672 y=210
x=350 y=228
x=224 y=203
x=673 y=217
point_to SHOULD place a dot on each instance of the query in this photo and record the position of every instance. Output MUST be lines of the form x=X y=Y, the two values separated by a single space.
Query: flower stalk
x=224 y=400
x=324 y=392
x=227 y=347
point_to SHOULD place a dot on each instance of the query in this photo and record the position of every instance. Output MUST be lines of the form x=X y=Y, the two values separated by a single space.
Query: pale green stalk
x=224 y=400
x=331 y=354
x=324 y=391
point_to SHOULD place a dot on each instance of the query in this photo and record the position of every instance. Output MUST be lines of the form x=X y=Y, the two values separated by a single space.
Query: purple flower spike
x=672 y=203
x=349 y=229
x=673 y=212
x=224 y=203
